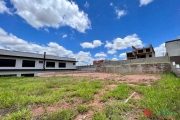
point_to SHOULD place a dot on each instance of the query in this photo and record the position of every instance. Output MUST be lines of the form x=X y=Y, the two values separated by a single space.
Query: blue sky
x=88 y=30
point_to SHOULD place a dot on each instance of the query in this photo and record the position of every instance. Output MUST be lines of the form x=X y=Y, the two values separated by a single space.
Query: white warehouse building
x=30 y=64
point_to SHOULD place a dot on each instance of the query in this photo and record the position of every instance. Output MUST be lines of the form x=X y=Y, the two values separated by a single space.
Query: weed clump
x=82 y=109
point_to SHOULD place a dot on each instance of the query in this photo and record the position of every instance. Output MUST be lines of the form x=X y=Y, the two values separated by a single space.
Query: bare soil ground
x=129 y=79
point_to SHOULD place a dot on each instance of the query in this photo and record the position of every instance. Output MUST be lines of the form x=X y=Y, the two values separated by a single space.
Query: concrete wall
x=173 y=48
x=136 y=68
x=175 y=69
x=164 y=59
x=86 y=68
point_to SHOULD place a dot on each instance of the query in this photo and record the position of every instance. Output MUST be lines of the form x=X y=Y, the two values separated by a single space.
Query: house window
x=7 y=62
x=28 y=63
x=50 y=64
x=140 y=51
x=74 y=63
x=144 y=56
x=150 y=55
x=62 y=65
x=40 y=61
x=148 y=50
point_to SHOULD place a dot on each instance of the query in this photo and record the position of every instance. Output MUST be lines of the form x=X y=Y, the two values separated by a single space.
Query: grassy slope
x=19 y=95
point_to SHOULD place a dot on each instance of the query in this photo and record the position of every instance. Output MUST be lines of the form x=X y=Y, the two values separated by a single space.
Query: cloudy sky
x=88 y=30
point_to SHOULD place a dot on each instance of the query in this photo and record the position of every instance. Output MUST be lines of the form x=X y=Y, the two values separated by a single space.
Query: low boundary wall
x=86 y=68
x=136 y=68
x=164 y=59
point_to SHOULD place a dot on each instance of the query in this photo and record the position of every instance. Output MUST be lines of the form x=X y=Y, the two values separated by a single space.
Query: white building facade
x=23 y=63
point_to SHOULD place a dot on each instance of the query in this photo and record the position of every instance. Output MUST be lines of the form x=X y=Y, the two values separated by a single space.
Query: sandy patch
x=38 y=111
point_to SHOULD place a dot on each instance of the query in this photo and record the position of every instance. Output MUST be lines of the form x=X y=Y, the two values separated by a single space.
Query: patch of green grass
x=86 y=90
x=163 y=95
x=70 y=100
x=120 y=92
x=116 y=109
x=113 y=111
x=24 y=114
x=82 y=109
x=19 y=93
x=68 y=114
x=142 y=84
x=99 y=115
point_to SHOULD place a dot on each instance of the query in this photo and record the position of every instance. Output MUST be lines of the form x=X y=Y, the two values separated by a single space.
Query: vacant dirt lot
x=135 y=79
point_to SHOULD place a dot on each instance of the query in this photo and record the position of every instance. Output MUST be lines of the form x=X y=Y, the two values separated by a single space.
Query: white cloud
x=160 y=50
x=123 y=43
x=111 y=4
x=101 y=54
x=114 y=59
x=145 y=2
x=14 y=43
x=120 y=13
x=101 y=58
x=3 y=7
x=11 y=42
x=111 y=51
x=84 y=58
x=96 y=43
x=46 y=30
x=64 y=36
x=52 y=13
x=123 y=56
x=86 y=5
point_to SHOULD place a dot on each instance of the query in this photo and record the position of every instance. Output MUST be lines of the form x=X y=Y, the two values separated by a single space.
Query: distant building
x=141 y=53
x=30 y=64
x=173 y=50
x=97 y=63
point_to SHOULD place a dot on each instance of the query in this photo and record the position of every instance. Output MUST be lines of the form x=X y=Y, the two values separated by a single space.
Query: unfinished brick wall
x=98 y=62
